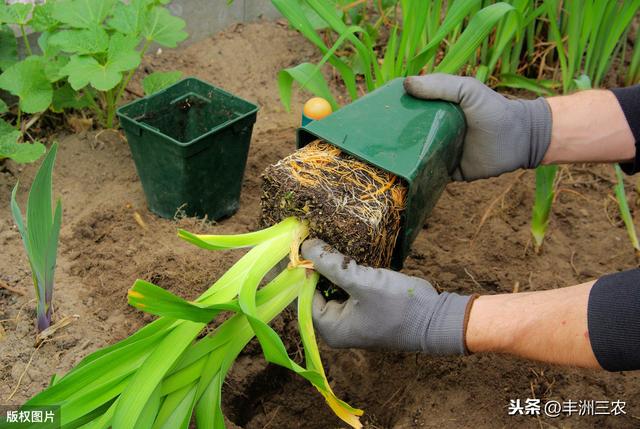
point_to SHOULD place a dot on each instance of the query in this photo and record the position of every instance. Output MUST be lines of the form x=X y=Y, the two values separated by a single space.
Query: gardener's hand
x=385 y=309
x=502 y=135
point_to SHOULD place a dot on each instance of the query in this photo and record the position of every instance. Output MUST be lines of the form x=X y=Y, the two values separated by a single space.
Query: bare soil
x=476 y=240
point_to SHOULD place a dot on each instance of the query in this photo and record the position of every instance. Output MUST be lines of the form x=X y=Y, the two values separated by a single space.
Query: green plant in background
x=161 y=375
x=413 y=44
x=90 y=50
x=159 y=80
x=40 y=235
x=586 y=35
x=11 y=144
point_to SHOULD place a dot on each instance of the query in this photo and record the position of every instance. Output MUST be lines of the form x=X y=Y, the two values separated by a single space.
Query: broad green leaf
x=159 y=80
x=82 y=13
x=129 y=18
x=17 y=13
x=309 y=78
x=28 y=81
x=92 y=40
x=8 y=47
x=43 y=19
x=163 y=28
x=66 y=97
x=53 y=69
x=3 y=106
x=22 y=153
x=84 y=70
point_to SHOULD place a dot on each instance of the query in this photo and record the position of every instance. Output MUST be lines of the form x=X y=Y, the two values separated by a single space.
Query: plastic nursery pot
x=190 y=143
x=417 y=140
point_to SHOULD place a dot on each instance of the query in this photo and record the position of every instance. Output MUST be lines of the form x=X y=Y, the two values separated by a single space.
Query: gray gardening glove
x=385 y=309
x=502 y=135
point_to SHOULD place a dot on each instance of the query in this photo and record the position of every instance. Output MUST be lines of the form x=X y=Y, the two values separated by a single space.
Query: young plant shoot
x=545 y=178
x=40 y=235
x=161 y=375
x=625 y=213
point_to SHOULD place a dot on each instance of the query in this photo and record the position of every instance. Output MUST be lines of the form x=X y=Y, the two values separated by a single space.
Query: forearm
x=589 y=126
x=549 y=326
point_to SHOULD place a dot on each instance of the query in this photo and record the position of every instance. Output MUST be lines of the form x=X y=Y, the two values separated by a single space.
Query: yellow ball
x=317 y=108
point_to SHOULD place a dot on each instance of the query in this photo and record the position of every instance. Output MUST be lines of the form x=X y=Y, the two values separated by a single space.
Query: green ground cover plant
x=89 y=50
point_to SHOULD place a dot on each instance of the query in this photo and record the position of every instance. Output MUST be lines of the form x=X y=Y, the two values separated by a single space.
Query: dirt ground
x=476 y=240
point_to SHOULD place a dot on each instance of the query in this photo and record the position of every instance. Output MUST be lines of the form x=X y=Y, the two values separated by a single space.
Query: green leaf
x=93 y=40
x=8 y=47
x=163 y=28
x=582 y=82
x=53 y=68
x=152 y=299
x=17 y=13
x=623 y=206
x=84 y=70
x=516 y=81
x=159 y=80
x=545 y=177
x=43 y=19
x=28 y=81
x=66 y=97
x=21 y=153
x=478 y=29
x=3 y=106
x=129 y=18
x=308 y=77
x=82 y=13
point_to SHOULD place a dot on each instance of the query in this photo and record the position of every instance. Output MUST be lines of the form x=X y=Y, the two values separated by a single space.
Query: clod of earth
x=354 y=206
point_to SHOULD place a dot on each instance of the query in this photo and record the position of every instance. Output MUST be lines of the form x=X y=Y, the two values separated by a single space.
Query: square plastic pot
x=419 y=141
x=190 y=143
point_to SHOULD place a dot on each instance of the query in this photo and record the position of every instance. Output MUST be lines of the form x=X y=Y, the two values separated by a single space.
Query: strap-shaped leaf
x=152 y=299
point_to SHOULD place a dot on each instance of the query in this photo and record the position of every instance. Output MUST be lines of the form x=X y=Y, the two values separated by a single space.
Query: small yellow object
x=317 y=108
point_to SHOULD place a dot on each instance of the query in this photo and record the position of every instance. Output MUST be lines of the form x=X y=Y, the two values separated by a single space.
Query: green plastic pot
x=417 y=140
x=190 y=143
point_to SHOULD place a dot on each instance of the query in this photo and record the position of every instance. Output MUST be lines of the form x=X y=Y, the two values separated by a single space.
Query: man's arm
x=589 y=126
x=594 y=324
x=549 y=326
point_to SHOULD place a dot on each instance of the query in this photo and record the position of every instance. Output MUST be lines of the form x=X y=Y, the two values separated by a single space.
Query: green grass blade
x=456 y=14
x=625 y=213
x=545 y=177
x=517 y=81
x=478 y=29
x=307 y=77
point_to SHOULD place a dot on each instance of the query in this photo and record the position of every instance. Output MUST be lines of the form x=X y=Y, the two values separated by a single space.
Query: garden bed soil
x=476 y=240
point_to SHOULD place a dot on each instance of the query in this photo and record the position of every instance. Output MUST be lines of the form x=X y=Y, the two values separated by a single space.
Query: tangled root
x=352 y=205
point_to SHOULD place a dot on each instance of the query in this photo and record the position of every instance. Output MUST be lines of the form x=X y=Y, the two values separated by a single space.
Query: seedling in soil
x=625 y=213
x=545 y=178
x=163 y=374
x=40 y=235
